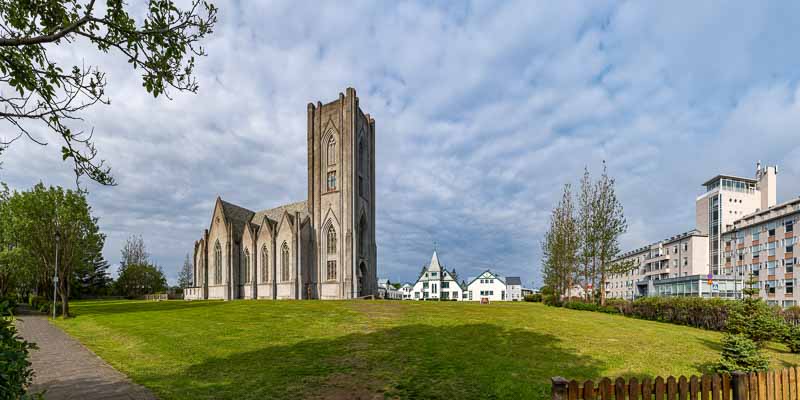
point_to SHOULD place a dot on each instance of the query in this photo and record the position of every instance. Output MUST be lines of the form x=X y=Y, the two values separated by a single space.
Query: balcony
x=788 y=235
x=788 y=255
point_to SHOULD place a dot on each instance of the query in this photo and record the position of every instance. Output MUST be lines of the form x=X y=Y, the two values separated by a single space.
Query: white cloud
x=483 y=113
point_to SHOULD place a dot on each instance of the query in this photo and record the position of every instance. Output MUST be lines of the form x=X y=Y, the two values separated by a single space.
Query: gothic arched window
x=332 y=151
x=217 y=263
x=246 y=266
x=264 y=264
x=331 y=240
x=284 y=262
x=362 y=160
x=363 y=241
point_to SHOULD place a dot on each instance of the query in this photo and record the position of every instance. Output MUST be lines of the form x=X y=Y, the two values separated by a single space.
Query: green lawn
x=376 y=349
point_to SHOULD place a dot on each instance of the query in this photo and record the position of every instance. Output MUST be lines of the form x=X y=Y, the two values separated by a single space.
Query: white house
x=386 y=290
x=514 y=288
x=436 y=282
x=487 y=285
x=406 y=291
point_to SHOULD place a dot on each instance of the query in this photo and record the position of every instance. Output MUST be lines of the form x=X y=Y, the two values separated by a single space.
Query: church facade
x=321 y=248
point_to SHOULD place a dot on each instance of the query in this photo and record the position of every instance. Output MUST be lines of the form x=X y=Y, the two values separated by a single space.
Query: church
x=321 y=248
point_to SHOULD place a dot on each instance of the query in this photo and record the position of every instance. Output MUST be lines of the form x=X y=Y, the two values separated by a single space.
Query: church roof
x=236 y=215
x=275 y=214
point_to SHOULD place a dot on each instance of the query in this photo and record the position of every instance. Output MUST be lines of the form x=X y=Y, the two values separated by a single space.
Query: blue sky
x=483 y=111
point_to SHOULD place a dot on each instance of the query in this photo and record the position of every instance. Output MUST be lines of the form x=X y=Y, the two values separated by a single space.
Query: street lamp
x=55 y=275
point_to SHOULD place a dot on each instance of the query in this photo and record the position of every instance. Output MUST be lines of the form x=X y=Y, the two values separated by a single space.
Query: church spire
x=434 y=265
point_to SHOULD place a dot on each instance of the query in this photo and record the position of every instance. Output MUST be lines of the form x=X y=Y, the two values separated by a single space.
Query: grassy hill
x=377 y=349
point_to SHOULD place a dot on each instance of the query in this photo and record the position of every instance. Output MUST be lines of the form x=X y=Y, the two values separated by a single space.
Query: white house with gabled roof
x=436 y=282
x=487 y=285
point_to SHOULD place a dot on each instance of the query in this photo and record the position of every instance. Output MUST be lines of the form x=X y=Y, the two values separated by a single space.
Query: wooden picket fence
x=782 y=384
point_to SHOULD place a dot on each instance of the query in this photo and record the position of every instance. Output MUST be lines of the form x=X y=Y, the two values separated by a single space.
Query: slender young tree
x=609 y=224
x=185 y=273
x=560 y=246
x=586 y=234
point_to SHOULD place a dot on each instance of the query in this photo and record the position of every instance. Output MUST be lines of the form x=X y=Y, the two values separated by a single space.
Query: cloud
x=483 y=112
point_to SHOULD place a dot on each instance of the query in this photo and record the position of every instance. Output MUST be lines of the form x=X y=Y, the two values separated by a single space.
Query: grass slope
x=376 y=349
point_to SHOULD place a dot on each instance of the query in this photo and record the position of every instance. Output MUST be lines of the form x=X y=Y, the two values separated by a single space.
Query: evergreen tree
x=739 y=353
x=94 y=280
x=185 y=273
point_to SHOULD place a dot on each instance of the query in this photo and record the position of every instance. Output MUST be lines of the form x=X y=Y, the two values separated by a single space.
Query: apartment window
x=685 y=261
x=674 y=263
x=789 y=288
x=788 y=226
x=769 y=287
x=675 y=249
x=789 y=249
x=755 y=233
x=772 y=232
x=685 y=246
x=789 y=265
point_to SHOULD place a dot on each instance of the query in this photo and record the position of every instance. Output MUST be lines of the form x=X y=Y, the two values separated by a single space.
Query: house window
x=331 y=271
x=285 y=262
x=685 y=246
x=264 y=264
x=445 y=285
x=332 y=180
x=455 y=295
x=332 y=151
x=434 y=274
x=246 y=266
x=433 y=288
x=424 y=285
x=331 y=240
x=416 y=295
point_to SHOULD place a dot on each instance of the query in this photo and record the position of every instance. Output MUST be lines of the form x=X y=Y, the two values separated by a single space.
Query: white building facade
x=435 y=282
x=487 y=285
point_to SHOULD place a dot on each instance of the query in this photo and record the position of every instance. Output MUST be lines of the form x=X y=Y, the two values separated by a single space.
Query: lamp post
x=55 y=275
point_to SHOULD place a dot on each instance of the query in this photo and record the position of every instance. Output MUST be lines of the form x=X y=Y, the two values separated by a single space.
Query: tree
x=587 y=238
x=162 y=46
x=185 y=273
x=141 y=279
x=739 y=353
x=93 y=279
x=133 y=253
x=32 y=219
x=609 y=224
x=560 y=246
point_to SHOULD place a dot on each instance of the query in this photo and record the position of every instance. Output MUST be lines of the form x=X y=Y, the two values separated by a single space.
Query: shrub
x=756 y=320
x=792 y=339
x=15 y=369
x=552 y=300
x=536 y=298
x=35 y=301
x=739 y=353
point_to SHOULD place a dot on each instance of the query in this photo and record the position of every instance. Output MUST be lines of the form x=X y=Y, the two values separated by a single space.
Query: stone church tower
x=321 y=248
x=341 y=195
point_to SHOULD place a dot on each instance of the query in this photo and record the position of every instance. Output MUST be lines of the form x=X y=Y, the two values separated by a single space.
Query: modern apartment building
x=761 y=246
x=678 y=256
x=700 y=262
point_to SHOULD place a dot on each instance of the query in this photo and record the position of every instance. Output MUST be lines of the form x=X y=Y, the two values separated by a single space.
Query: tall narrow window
x=264 y=264
x=331 y=240
x=217 y=263
x=362 y=236
x=332 y=151
x=331 y=271
x=361 y=159
x=332 y=180
x=246 y=266
x=284 y=262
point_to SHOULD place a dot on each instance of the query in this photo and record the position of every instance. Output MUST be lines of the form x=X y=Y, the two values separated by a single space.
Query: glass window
x=331 y=240
x=332 y=180
x=445 y=285
x=789 y=288
x=331 y=151
x=788 y=226
x=331 y=270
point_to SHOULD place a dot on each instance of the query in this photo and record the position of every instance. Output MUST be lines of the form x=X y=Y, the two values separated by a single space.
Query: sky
x=483 y=110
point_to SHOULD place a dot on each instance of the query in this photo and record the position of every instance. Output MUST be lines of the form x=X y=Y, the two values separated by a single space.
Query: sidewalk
x=68 y=370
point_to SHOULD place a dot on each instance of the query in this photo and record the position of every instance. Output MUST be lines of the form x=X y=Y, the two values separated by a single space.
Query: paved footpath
x=68 y=370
